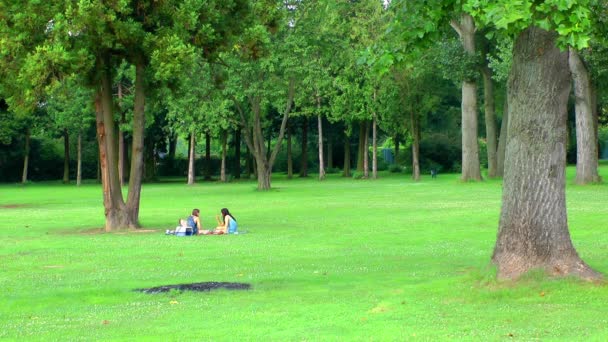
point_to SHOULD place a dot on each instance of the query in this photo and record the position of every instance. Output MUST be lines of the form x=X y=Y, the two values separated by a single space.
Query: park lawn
x=343 y=259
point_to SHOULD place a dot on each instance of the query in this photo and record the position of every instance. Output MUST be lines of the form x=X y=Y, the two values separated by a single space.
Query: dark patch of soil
x=12 y=206
x=200 y=287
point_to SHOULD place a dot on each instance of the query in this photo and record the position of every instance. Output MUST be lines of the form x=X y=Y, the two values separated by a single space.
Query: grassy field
x=336 y=260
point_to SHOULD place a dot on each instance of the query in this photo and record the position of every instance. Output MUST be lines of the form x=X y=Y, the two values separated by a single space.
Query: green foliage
x=454 y=63
x=571 y=19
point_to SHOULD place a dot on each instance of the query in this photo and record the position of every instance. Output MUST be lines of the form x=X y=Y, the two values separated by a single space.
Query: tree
x=91 y=38
x=263 y=70
x=533 y=230
x=70 y=109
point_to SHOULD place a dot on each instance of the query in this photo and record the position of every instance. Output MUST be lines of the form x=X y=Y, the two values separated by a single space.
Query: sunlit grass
x=336 y=260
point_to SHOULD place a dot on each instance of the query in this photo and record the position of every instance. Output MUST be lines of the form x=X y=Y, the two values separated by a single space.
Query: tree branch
x=291 y=95
x=456 y=26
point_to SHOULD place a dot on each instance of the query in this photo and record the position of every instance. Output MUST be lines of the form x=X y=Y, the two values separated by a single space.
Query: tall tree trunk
x=121 y=139
x=490 y=118
x=237 y=154
x=586 y=136
x=502 y=143
x=137 y=145
x=115 y=208
x=366 y=151
x=289 y=153
x=207 y=168
x=346 y=172
x=79 y=157
x=374 y=149
x=415 y=128
x=470 y=146
x=66 y=157
x=320 y=127
x=223 y=167
x=361 y=146
x=26 y=155
x=533 y=231
x=191 y=159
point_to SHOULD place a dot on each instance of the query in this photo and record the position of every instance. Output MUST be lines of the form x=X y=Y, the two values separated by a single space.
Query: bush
x=394 y=168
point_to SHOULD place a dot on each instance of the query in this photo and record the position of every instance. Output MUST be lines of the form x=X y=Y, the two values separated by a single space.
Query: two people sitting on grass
x=226 y=225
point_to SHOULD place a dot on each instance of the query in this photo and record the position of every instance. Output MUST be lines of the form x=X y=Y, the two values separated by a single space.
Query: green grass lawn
x=336 y=260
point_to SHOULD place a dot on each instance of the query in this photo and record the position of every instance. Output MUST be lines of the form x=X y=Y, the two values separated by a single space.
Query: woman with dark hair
x=227 y=224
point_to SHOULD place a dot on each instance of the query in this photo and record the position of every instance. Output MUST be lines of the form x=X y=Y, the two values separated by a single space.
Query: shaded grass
x=335 y=260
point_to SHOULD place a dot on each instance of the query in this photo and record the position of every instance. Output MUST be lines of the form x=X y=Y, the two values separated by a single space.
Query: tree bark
x=502 y=143
x=66 y=156
x=223 y=167
x=289 y=153
x=137 y=146
x=207 y=168
x=470 y=146
x=26 y=155
x=346 y=172
x=304 y=155
x=533 y=231
x=115 y=208
x=191 y=159
x=237 y=154
x=490 y=119
x=366 y=151
x=320 y=127
x=586 y=134
x=79 y=162
x=415 y=129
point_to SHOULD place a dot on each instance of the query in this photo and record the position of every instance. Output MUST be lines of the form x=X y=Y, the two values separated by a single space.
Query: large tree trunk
x=320 y=126
x=490 y=118
x=533 y=231
x=26 y=155
x=137 y=148
x=191 y=159
x=586 y=134
x=502 y=143
x=304 y=155
x=66 y=157
x=289 y=153
x=237 y=154
x=415 y=129
x=470 y=146
x=79 y=160
x=346 y=172
x=223 y=167
x=207 y=168
x=115 y=209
